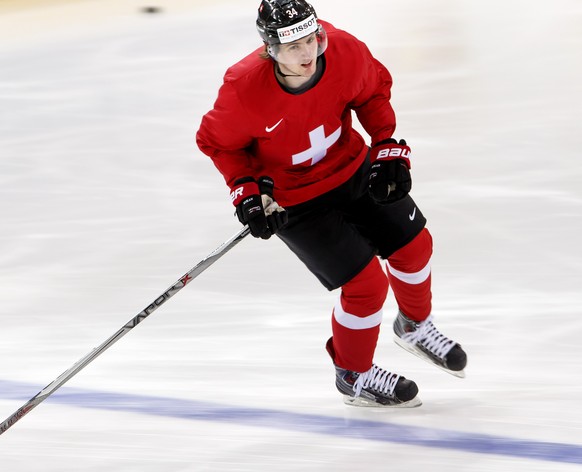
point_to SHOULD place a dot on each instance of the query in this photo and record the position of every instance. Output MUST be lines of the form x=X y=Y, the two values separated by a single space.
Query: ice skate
x=425 y=341
x=375 y=388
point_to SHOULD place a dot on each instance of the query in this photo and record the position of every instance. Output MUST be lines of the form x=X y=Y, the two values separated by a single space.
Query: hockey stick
x=82 y=363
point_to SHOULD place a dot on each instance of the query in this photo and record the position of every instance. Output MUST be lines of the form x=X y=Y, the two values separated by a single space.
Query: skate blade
x=361 y=402
x=419 y=353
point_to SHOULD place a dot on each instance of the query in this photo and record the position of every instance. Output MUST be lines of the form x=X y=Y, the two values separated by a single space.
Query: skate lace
x=377 y=379
x=430 y=337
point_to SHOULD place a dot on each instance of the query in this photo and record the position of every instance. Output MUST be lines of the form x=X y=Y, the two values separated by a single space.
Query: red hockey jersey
x=304 y=142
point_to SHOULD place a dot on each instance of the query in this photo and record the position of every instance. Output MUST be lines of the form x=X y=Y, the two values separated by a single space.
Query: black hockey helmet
x=284 y=21
x=277 y=16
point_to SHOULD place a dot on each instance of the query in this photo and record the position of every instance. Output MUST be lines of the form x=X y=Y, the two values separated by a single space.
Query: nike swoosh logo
x=268 y=130
x=412 y=215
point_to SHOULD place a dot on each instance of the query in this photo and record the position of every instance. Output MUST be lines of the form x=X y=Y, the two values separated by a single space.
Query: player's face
x=300 y=56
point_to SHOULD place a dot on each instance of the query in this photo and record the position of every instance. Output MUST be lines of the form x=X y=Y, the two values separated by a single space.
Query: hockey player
x=281 y=135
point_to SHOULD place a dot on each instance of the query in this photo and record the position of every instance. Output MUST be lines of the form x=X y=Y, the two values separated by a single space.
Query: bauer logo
x=236 y=193
x=298 y=30
x=394 y=152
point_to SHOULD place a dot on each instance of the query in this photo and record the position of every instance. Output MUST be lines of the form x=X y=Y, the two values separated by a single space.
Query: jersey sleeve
x=224 y=137
x=372 y=100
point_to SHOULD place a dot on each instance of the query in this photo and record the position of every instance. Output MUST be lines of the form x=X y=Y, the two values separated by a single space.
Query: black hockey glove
x=390 y=179
x=255 y=206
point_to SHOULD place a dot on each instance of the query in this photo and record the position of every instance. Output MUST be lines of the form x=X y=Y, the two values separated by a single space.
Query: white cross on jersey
x=320 y=143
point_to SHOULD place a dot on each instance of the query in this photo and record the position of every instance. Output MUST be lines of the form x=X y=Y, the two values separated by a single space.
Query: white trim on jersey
x=414 y=278
x=356 y=322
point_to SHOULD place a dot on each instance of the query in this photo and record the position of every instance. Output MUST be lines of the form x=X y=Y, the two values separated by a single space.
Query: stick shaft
x=147 y=311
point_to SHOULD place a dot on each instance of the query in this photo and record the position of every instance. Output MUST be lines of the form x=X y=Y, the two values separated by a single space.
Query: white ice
x=105 y=201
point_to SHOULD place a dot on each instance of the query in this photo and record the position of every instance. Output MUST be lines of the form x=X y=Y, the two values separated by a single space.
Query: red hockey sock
x=357 y=316
x=409 y=273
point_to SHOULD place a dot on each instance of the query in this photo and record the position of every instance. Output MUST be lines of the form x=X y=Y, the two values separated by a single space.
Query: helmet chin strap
x=285 y=75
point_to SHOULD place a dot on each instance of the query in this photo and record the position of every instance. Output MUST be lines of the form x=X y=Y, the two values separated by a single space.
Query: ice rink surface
x=105 y=201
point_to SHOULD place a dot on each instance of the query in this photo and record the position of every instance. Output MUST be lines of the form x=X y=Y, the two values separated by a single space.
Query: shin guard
x=409 y=272
x=357 y=317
